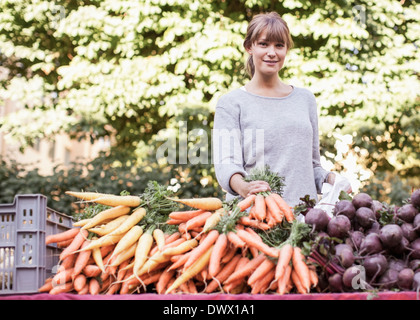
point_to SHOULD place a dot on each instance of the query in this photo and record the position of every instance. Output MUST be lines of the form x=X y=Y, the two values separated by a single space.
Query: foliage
x=133 y=69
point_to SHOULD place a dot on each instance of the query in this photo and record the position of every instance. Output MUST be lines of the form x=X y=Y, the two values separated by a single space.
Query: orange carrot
x=68 y=262
x=79 y=282
x=85 y=289
x=283 y=205
x=286 y=253
x=164 y=280
x=216 y=255
x=314 y=277
x=275 y=210
x=246 y=270
x=252 y=241
x=62 y=236
x=181 y=261
x=185 y=215
x=62 y=277
x=298 y=284
x=91 y=270
x=197 y=221
x=264 y=268
x=81 y=260
x=62 y=288
x=301 y=268
x=94 y=286
x=246 y=221
x=224 y=273
x=235 y=240
x=229 y=254
x=77 y=242
x=284 y=280
x=201 y=248
x=64 y=244
x=246 y=203
x=260 y=207
x=47 y=286
x=263 y=283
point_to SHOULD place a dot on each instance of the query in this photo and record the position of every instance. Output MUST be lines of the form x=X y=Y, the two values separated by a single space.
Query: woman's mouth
x=270 y=62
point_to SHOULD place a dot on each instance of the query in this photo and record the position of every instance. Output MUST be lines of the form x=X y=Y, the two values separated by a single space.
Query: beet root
x=405 y=279
x=365 y=217
x=407 y=212
x=318 y=218
x=362 y=200
x=415 y=198
x=391 y=235
x=339 y=227
x=345 y=207
x=371 y=244
x=375 y=265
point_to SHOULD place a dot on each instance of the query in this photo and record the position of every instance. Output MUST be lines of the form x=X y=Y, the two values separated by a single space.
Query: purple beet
x=335 y=283
x=389 y=279
x=318 y=218
x=416 y=223
x=345 y=207
x=407 y=213
x=344 y=253
x=408 y=231
x=356 y=238
x=415 y=247
x=405 y=279
x=339 y=227
x=365 y=217
x=375 y=265
x=391 y=235
x=415 y=198
x=371 y=244
x=362 y=200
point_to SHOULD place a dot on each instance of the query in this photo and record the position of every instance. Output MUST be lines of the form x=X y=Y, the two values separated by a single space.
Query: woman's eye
x=262 y=43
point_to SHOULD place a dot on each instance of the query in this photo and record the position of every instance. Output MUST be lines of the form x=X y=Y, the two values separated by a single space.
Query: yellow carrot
x=181 y=248
x=123 y=256
x=192 y=271
x=159 y=237
x=131 y=221
x=97 y=257
x=87 y=196
x=131 y=237
x=107 y=214
x=102 y=242
x=209 y=204
x=115 y=200
x=143 y=248
x=110 y=226
x=212 y=221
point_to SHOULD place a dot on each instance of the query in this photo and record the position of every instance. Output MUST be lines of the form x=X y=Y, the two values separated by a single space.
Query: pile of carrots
x=215 y=248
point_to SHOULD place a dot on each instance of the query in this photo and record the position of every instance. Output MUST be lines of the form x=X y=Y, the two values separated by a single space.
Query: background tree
x=131 y=69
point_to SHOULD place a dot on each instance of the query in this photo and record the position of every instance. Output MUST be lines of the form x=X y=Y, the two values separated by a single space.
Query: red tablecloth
x=222 y=297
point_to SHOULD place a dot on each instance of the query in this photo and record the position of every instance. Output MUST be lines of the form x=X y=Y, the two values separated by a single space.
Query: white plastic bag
x=330 y=194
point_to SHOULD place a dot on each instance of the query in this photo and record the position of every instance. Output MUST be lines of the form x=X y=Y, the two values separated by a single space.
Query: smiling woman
x=282 y=119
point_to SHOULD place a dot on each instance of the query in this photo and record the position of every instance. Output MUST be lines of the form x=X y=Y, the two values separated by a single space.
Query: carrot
x=193 y=270
x=301 y=268
x=81 y=223
x=128 y=253
x=47 y=286
x=94 y=286
x=181 y=248
x=164 y=280
x=252 y=241
x=314 y=277
x=143 y=248
x=131 y=237
x=79 y=282
x=159 y=237
x=102 y=242
x=114 y=288
x=181 y=261
x=235 y=240
x=115 y=200
x=110 y=226
x=131 y=221
x=297 y=282
x=286 y=253
x=246 y=203
x=216 y=255
x=64 y=244
x=85 y=290
x=275 y=210
x=212 y=221
x=185 y=215
x=246 y=221
x=68 y=262
x=260 y=208
x=224 y=273
x=97 y=257
x=284 y=280
x=287 y=210
x=81 y=260
x=228 y=254
x=105 y=215
x=264 y=268
x=62 y=288
x=62 y=236
x=173 y=244
x=197 y=221
x=173 y=222
x=87 y=196
x=62 y=277
x=91 y=270
x=246 y=270
x=263 y=283
x=209 y=204
x=202 y=247
x=75 y=244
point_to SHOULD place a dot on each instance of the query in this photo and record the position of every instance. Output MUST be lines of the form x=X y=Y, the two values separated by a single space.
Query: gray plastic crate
x=25 y=260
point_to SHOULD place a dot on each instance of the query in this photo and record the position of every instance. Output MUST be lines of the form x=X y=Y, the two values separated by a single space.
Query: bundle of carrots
x=130 y=247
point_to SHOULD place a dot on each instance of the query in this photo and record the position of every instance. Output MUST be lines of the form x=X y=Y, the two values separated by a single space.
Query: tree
x=130 y=69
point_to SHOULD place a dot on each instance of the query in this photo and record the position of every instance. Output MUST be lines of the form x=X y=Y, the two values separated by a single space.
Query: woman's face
x=268 y=56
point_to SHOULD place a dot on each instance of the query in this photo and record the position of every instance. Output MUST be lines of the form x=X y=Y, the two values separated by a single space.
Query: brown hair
x=277 y=30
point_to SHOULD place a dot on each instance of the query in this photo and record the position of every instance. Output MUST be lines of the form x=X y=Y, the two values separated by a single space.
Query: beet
x=401 y=248
x=416 y=283
x=344 y=253
x=407 y=213
x=377 y=206
x=345 y=207
x=356 y=238
x=365 y=217
x=397 y=264
x=371 y=244
x=391 y=235
x=415 y=198
x=415 y=265
x=374 y=228
x=339 y=227
x=405 y=279
x=362 y=200
x=354 y=277
x=317 y=218
x=389 y=279
x=415 y=247
x=375 y=265
x=408 y=231
x=335 y=283
x=416 y=223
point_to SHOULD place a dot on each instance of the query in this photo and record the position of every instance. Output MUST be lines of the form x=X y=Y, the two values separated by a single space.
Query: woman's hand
x=244 y=188
x=331 y=180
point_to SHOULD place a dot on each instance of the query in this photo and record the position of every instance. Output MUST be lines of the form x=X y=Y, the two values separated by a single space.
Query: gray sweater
x=251 y=130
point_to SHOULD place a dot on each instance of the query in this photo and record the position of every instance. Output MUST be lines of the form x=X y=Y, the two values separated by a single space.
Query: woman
x=268 y=122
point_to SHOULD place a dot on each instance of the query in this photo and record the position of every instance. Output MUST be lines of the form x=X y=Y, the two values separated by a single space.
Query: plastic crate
x=25 y=260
